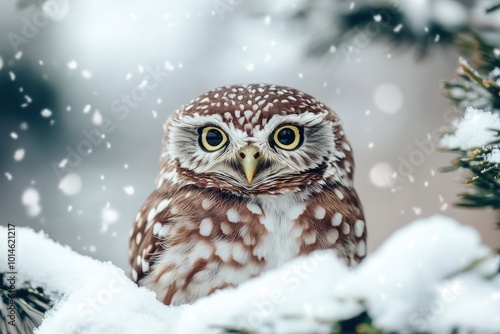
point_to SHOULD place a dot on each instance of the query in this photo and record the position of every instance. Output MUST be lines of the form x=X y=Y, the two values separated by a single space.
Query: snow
x=19 y=154
x=86 y=74
x=381 y=174
x=71 y=184
x=388 y=98
x=46 y=113
x=93 y=296
x=421 y=279
x=72 y=65
x=494 y=156
x=30 y=199
x=129 y=190
x=97 y=118
x=1 y=62
x=473 y=130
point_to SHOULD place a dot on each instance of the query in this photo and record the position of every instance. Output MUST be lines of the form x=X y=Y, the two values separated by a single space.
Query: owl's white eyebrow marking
x=337 y=219
x=346 y=229
x=359 y=227
x=361 y=248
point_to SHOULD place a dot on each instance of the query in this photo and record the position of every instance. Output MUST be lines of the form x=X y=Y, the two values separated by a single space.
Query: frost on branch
x=476 y=138
x=431 y=276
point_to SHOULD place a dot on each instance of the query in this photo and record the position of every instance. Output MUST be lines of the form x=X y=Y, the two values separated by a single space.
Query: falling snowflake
x=46 y=113
x=71 y=184
x=19 y=154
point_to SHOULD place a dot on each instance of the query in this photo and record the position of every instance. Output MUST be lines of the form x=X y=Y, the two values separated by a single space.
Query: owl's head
x=256 y=139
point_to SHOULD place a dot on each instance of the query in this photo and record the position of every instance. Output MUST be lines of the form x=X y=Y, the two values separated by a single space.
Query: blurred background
x=85 y=87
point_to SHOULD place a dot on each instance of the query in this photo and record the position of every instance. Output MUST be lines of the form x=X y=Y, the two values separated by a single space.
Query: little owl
x=251 y=176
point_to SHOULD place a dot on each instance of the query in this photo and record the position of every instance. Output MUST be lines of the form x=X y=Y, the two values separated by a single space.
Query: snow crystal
x=72 y=65
x=46 y=113
x=250 y=67
x=473 y=130
x=381 y=174
x=1 y=62
x=12 y=75
x=30 y=199
x=71 y=184
x=18 y=55
x=388 y=98
x=97 y=118
x=86 y=109
x=19 y=154
x=129 y=190
x=494 y=156
x=14 y=135
x=8 y=176
x=86 y=74
x=108 y=216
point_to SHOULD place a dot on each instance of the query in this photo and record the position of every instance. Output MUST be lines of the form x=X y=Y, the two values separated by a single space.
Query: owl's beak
x=249 y=159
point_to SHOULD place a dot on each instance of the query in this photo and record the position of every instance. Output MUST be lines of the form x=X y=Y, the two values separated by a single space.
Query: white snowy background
x=75 y=66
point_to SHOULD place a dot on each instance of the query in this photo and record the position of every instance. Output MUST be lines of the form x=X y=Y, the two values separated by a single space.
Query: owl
x=251 y=177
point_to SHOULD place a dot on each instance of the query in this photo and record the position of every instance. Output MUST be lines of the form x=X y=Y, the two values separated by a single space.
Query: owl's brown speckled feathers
x=251 y=176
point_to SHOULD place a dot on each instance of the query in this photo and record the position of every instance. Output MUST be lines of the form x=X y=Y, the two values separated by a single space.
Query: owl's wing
x=151 y=226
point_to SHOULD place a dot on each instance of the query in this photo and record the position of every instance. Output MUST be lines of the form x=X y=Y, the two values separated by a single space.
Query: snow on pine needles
x=432 y=276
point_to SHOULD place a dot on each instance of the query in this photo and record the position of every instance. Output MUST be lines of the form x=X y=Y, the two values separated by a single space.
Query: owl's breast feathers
x=188 y=242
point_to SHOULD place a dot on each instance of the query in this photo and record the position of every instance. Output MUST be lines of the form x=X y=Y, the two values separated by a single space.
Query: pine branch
x=25 y=311
x=493 y=8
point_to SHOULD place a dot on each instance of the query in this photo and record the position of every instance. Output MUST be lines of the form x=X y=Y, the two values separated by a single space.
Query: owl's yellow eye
x=288 y=137
x=211 y=138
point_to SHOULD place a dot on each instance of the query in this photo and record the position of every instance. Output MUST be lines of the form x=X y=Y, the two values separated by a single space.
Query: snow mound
x=412 y=283
x=432 y=276
x=474 y=130
x=91 y=296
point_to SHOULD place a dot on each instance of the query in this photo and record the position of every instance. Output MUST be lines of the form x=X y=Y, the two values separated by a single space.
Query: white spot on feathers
x=206 y=204
x=361 y=250
x=206 y=226
x=233 y=216
x=337 y=219
x=359 y=228
x=254 y=208
x=320 y=212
